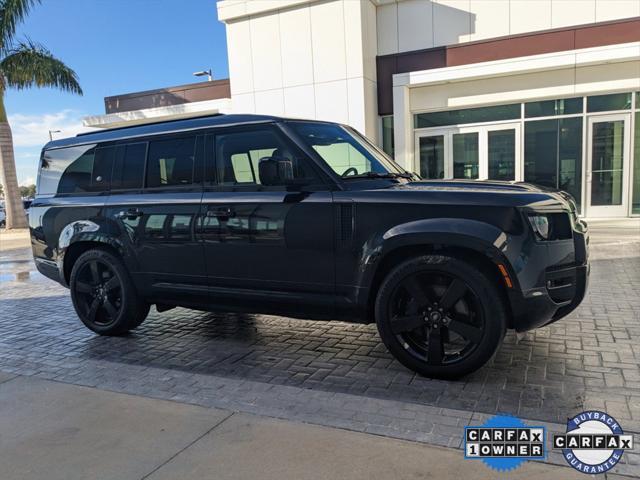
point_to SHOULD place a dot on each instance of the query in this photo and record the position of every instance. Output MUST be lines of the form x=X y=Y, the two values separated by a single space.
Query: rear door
x=155 y=203
x=266 y=244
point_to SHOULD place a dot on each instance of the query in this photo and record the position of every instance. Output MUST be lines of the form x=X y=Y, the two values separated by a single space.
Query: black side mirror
x=275 y=171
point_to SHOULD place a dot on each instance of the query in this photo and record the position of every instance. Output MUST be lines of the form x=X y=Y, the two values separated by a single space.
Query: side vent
x=345 y=225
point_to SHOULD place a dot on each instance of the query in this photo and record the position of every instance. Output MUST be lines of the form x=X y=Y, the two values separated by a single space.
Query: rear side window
x=129 y=166
x=68 y=170
x=170 y=162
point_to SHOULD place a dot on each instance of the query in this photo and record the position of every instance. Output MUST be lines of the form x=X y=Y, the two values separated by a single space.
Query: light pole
x=51 y=132
x=202 y=73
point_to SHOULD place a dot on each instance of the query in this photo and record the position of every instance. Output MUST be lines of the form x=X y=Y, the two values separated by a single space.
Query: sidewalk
x=51 y=430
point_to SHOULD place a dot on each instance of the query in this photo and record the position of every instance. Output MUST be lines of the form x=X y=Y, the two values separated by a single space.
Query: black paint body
x=310 y=252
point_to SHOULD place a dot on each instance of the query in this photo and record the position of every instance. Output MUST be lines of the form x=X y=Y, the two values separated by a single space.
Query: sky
x=115 y=47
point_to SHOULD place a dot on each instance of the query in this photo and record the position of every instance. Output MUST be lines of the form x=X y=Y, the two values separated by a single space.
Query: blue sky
x=115 y=46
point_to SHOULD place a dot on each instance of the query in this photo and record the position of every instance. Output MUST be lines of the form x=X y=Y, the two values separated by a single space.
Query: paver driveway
x=337 y=373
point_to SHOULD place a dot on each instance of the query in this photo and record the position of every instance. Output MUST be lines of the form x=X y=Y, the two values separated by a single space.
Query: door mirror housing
x=275 y=171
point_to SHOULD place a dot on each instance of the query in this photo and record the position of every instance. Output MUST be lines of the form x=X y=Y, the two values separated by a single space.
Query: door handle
x=130 y=214
x=220 y=212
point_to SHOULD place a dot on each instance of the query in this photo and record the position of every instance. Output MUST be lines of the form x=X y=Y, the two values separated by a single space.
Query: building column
x=403 y=127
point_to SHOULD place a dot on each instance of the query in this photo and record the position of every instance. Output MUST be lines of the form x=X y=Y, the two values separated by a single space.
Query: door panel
x=159 y=224
x=608 y=163
x=265 y=243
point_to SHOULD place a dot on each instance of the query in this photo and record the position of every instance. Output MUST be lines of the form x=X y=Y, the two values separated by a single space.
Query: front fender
x=481 y=237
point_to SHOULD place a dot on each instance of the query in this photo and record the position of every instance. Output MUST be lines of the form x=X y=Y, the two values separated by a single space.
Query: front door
x=266 y=243
x=486 y=152
x=608 y=165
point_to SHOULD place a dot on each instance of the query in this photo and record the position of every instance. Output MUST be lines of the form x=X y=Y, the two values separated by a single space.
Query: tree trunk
x=16 y=217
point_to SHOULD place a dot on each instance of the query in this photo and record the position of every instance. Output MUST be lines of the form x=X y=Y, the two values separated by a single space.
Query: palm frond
x=12 y=12
x=29 y=64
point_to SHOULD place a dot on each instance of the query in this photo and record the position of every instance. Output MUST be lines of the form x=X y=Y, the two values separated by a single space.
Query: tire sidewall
x=490 y=301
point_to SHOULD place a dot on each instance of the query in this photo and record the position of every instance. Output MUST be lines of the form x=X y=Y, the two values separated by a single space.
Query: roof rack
x=150 y=122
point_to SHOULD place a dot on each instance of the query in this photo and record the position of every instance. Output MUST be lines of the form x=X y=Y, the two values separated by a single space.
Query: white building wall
x=304 y=59
x=405 y=25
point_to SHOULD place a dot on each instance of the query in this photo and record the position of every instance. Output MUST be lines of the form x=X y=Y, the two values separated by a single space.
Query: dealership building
x=543 y=91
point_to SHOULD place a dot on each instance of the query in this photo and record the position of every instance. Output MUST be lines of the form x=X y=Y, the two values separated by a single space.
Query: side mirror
x=275 y=171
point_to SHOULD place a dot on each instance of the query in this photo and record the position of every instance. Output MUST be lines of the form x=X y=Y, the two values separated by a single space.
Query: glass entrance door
x=608 y=165
x=479 y=152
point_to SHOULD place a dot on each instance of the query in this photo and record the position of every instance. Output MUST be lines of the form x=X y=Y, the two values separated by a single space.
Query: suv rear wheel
x=103 y=294
x=440 y=316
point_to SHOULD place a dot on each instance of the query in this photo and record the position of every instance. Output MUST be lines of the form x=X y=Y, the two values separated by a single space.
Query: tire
x=104 y=295
x=442 y=301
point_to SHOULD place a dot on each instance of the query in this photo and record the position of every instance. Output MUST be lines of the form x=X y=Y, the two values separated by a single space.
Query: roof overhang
x=626 y=52
x=146 y=115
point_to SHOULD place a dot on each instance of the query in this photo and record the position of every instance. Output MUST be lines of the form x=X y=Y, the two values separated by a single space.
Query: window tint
x=131 y=158
x=170 y=162
x=603 y=103
x=239 y=155
x=103 y=165
x=467 y=115
x=548 y=108
x=77 y=176
x=66 y=170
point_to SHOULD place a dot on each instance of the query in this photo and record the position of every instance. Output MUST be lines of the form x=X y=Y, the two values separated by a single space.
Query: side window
x=242 y=158
x=66 y=170
x=102 y=167
x=170 y=162
x=76 y=178
x=129 y=166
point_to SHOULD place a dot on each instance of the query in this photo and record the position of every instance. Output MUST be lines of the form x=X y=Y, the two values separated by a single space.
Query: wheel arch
x=79 y=237
x=469 y=240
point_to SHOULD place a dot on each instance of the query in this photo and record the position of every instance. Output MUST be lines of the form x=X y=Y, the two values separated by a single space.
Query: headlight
x=540 y=225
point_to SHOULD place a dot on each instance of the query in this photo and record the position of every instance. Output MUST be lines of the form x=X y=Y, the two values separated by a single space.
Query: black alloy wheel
x=437 y=318
x=440 y=316
x=104 y=295
x=99 y=292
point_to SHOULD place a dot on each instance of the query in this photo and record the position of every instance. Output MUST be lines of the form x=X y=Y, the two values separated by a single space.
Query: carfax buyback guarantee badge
x=594 y=442
x=503 y=443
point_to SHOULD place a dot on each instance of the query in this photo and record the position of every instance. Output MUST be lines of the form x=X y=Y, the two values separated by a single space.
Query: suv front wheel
x=440 y=316
x=103 y=294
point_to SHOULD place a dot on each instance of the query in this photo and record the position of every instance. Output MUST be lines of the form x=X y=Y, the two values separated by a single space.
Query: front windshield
x=348 y=154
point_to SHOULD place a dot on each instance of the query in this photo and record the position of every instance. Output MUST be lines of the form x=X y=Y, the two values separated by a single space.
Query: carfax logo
x=594 y=442
x=504 y=443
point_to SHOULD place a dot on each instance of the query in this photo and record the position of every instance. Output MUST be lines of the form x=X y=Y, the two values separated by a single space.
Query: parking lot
x=339 y=374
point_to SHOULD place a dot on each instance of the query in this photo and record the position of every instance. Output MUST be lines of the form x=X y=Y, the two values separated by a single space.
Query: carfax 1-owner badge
x=594 y=442
x=504 y=443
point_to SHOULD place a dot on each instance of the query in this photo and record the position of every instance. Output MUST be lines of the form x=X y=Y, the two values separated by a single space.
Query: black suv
x=245 y=213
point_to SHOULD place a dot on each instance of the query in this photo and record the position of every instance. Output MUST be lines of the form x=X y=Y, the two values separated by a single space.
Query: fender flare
x=481 y=237
x=83 y=231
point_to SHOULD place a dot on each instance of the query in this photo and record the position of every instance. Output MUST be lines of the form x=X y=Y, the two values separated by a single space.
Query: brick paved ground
x=334 y=373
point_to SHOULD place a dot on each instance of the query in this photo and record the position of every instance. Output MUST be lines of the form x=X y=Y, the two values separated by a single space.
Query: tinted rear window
x=67 y=170
x=129 y=167
x=171 y=162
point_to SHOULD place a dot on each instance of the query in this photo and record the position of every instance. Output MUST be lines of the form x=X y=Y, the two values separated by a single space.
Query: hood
x=489 y=192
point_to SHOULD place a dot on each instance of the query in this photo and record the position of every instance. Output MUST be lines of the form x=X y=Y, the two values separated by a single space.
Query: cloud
x=27 y=181
x=33 y=130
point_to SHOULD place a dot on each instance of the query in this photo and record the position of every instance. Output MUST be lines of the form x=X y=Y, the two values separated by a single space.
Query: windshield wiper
x=380 y=175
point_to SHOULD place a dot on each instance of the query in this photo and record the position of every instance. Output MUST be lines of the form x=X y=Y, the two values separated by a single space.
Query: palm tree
x=23 y=64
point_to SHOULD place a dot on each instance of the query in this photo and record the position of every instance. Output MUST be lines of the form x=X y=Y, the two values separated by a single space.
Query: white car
x=3 y=218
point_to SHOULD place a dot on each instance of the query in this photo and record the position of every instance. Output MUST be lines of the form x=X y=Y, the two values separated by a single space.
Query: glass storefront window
x=605 y=103
x=553 y=154
x=549 y=108
x=387 y=135
x=432 y=157
x=502 y=154
x=494 y=113
x=465 y=155
x=635 y=209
